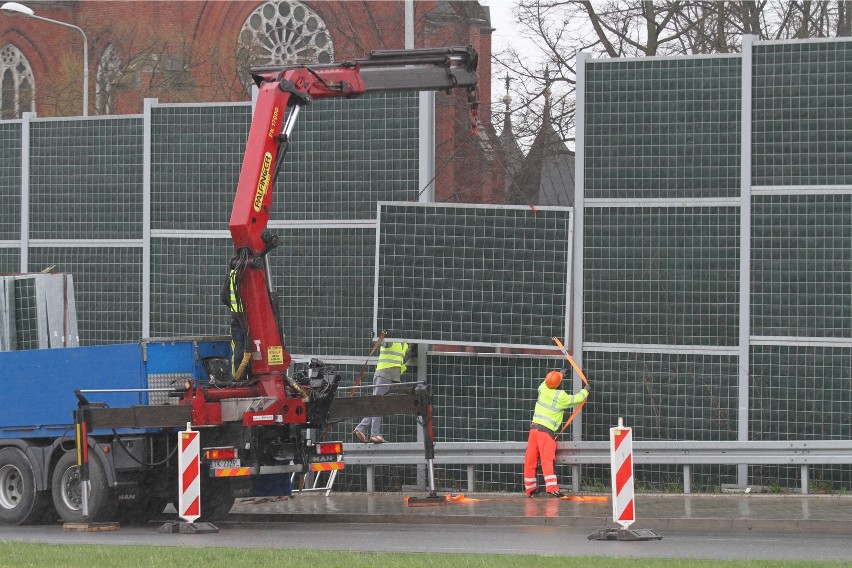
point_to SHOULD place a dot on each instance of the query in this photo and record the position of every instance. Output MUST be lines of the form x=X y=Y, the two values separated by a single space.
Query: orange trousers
x=540 y=447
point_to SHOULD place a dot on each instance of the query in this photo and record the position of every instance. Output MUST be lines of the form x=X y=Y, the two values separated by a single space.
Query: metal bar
x=26 y=143
x=147 y=106
x=745 y=250
x=360 y=406
x=170 y=416
x=687 y=478
x=471 y=478
x=429 y=79
x=125 y=390
x=577 y=256
x=581 y=453
x=805 y=481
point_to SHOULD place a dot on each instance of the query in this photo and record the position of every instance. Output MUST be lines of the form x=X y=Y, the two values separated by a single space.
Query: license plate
x=222 y=464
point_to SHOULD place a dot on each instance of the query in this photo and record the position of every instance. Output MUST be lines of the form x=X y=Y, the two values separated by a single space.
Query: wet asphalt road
x=727 y=544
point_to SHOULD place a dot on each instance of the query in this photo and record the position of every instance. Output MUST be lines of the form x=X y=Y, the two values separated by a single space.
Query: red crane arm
x=283 y=90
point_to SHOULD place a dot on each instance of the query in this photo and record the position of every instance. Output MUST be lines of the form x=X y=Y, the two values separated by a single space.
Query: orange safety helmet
x=553 y=379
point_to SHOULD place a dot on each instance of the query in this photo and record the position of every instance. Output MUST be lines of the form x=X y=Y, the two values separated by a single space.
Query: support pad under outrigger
x=624 y=534
x=173 y=527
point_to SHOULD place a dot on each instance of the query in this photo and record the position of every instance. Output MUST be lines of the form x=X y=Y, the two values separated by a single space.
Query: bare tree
x=560 y=29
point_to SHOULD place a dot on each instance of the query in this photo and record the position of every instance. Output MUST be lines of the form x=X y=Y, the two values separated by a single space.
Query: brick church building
x=200 y=51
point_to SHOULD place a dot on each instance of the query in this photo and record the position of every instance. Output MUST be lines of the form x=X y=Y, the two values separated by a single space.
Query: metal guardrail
x=803 y=453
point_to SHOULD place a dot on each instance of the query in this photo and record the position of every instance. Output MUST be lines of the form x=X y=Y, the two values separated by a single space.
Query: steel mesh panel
x=186 y=277
x=196 y=154
x=466 y=274
x=10 y=181
x=107 y=289
x=86 y=179
x=349 y=154
x=661 y=275
x=26 y=314
x=486 y=398
x=492 y=478
x=663 y=128
x=822 y=479
x=10 y=260
x=802 y=113
x=325 y=280
x=662 y=396
x=802 y=266
x=800 y=393
x=665 y=478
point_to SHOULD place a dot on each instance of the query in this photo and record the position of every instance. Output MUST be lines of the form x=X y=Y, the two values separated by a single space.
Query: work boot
x=377 y=439
x=557 y=493
x=362 y=437
x=534 y=492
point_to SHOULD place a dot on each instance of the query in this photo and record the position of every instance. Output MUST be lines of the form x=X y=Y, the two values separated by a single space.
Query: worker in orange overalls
x=547 y=417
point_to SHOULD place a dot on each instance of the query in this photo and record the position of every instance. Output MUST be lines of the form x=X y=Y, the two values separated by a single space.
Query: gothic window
x=282 y=32
x=109 y=72
x=17 y=86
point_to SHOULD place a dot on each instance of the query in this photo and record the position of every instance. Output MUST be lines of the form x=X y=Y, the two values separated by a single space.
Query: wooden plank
x=91 y=527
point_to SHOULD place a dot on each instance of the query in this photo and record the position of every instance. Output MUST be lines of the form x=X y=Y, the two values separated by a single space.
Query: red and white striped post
x=189 y=475
x=621 y=457
x=189 y=487
x=623 y=498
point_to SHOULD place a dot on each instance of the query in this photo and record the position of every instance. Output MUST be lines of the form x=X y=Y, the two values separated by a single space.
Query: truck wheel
x=20 y=503
x=216 y=500
x=68 y=491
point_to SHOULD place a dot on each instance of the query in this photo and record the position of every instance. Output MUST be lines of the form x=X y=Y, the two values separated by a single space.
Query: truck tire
x=216 y=500
x=20 y=503
x=68 y=494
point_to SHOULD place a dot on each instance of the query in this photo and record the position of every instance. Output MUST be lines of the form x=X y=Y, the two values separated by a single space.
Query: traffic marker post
x=623 y=497
x=189 y=487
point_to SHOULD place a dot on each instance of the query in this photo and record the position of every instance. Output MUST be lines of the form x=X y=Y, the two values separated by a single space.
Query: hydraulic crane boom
x=283 y=90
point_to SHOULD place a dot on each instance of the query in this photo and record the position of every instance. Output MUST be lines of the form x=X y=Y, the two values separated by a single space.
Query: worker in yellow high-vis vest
x=550 y=406
x=389 y=370
x=230 y=296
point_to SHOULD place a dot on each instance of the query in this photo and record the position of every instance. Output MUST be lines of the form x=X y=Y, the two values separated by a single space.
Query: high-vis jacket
x=551 y=405
x=232 y=287
x=392 y=355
